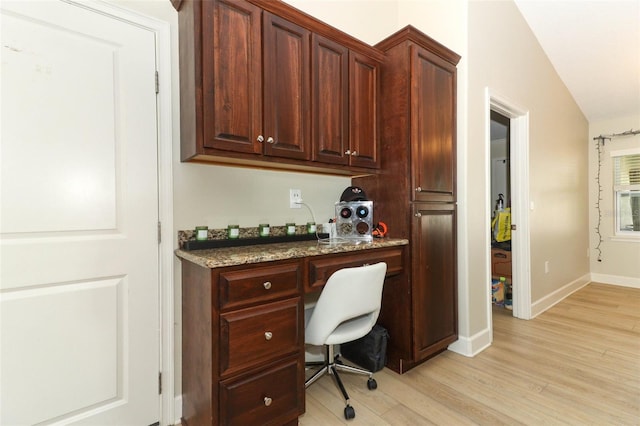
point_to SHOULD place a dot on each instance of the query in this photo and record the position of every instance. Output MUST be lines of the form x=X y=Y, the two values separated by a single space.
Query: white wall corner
x=633 y=282
x=559 y=295
x=177 y=410
x=471 y=346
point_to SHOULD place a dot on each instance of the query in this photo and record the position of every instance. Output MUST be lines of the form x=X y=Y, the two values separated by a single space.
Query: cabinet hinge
x=160 y=383
x=159 y=232
x=157 y=83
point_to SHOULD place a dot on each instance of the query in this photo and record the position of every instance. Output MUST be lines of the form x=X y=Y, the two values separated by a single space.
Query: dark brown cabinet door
x=232 y=66
x=433 y=126
x=330 y=100
x=434 y=290
x=363 y=106
x=286 y=89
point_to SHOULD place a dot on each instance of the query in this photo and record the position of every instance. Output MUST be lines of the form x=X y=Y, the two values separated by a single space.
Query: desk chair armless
x=346 y=310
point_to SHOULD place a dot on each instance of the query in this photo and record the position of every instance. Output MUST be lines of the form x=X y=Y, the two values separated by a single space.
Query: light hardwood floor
x=577 y=363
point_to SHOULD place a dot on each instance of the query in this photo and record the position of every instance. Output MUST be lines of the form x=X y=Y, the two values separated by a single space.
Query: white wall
x=367 y=20
x=619 y=258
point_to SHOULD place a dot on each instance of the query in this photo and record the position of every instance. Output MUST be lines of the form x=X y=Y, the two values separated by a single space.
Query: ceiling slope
x=594 y=46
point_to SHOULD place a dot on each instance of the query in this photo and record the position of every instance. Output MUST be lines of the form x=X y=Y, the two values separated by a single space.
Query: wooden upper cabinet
x=287 y=118
x=363 y=100
x=345 y=111
x=330 y=108
x=232 y=77
x=236 y=116
x=433 y=81
x=263 y=84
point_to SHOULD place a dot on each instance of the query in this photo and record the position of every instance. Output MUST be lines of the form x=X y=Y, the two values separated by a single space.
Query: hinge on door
x=157 y=83
x=160 y=383
x=159 y=232
x=513 y=227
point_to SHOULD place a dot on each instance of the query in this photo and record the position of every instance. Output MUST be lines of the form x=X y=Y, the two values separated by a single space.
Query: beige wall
x=505 y=57
x=619 y=257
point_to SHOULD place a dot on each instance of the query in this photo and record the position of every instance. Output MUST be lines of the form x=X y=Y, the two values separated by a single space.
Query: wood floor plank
x=576 y=364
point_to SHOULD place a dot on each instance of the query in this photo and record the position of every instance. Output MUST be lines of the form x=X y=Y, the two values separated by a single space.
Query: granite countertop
x=231 y=256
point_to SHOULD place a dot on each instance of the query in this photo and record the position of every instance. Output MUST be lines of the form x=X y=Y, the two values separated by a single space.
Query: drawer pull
x=267 y=401
x=268 y=335
x=500 y=255
x=267 y=285
x=419 y=189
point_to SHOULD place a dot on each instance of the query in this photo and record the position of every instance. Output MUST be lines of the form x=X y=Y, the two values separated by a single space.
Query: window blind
x=626 y=172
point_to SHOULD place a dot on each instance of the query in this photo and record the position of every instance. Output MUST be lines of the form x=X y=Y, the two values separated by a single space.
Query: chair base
x=330 y=366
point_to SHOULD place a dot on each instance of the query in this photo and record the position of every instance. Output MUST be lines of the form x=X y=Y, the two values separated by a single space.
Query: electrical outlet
x=295 y=198
x=546 y=266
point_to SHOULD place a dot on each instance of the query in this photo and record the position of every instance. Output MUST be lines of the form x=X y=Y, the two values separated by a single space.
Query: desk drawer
x=258 y=284
x=260 y=334
x=321 y=269
x=270 y=397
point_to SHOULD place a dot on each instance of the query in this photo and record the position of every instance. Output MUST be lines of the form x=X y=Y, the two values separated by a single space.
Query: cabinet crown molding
x=411 y=33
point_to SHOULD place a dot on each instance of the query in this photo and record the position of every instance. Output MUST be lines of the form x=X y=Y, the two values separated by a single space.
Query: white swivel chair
x=346 y=310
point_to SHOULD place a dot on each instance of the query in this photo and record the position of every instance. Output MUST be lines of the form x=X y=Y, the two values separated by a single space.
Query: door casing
x=520 y=244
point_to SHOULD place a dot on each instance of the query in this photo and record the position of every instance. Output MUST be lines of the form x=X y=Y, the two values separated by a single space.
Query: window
x=626 y=186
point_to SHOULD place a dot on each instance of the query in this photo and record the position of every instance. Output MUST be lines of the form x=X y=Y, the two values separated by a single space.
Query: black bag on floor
x=370 y=351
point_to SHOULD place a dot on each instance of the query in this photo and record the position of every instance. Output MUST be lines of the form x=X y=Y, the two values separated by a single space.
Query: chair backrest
x=349 y=293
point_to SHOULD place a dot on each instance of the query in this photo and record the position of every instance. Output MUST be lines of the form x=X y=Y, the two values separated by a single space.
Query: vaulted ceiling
x=594 y=46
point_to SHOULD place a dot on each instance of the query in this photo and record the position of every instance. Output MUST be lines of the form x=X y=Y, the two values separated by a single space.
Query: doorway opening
x=518 y=188
x=501 y=270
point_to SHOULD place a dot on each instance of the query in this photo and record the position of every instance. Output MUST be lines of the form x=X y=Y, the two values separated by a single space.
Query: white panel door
x=79 y=268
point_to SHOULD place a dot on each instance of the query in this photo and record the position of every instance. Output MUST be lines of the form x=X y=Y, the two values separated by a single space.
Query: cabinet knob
x=267 y=285
x=419 y=189
x=270 y=140
x=268 y=335
x=418 y=214
x=354 y=153
x=267 y=401
x=347 y=152
x=260 y=138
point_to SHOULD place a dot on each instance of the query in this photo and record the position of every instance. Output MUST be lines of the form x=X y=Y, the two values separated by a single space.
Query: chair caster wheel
x=349 y=412
x=372 y=384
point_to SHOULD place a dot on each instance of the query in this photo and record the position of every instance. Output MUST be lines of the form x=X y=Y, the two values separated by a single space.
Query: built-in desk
x=243 y=325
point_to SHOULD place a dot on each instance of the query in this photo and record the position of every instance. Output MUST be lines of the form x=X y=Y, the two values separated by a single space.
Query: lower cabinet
x=243 y=344
x=434 y=289
x=268 y=397
x=243 y=335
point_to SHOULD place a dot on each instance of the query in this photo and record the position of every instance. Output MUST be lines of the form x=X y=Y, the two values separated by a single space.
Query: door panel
x=287 y=84
x=363 y=73
x=330 y=74
x=433 y=116
x=79 y=252
x=434 y=286
x=232 y=77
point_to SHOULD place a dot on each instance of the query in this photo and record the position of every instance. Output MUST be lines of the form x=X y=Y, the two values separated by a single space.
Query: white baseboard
x=557 y=296
x=177 y=409
x=471 y=346
x=616 y=280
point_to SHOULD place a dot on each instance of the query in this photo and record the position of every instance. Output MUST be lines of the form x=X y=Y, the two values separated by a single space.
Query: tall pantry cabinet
x=415 y=193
